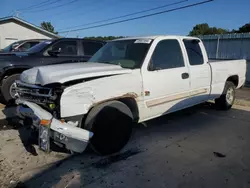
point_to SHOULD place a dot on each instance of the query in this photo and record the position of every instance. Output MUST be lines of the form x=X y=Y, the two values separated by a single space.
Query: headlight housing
x=44 y=138
x=48 y=96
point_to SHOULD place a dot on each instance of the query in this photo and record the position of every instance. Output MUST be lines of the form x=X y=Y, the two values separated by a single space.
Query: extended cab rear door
x=165 y=74
x=199 y=69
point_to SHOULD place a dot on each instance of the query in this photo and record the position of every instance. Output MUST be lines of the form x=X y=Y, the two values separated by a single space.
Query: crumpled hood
x=68 y=72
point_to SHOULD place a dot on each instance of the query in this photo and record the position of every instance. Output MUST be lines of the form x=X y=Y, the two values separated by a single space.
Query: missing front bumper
x=74 y=138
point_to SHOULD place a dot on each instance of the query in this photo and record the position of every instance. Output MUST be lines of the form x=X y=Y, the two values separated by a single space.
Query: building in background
x=13 y=29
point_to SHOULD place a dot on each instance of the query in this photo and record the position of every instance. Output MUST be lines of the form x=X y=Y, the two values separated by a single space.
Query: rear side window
x=90 y=48
x=194 y=53
x=167 y=55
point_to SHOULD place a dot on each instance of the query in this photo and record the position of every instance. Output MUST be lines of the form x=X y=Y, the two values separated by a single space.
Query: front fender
x=76 y=101
x=80 y=98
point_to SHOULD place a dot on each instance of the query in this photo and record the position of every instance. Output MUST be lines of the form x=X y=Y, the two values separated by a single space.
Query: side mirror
x=54 y=52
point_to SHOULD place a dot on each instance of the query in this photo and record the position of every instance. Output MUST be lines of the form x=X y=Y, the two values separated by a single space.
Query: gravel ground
x=197 y=147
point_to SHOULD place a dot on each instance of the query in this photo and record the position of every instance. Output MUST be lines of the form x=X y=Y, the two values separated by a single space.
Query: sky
x=63 y=14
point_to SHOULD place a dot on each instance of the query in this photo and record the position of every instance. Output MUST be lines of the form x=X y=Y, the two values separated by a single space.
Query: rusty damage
x=132 y=95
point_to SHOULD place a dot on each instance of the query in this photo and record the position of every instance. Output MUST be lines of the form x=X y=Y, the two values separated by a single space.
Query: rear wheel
x=111 y=124
x=226 y=100
x=8 y=88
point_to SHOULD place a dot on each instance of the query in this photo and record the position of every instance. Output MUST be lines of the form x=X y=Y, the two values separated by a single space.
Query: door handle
x=185 y=75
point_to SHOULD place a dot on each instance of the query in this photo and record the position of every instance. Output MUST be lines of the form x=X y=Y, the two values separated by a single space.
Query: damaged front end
x=46 y=97
x=52 y=129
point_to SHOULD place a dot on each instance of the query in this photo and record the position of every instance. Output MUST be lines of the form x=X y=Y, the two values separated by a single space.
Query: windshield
x=10 y=47
x=39 y=47
x=126 y=53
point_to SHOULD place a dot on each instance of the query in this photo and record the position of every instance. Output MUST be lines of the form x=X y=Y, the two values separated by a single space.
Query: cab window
x=194 y=52
x=167 y=55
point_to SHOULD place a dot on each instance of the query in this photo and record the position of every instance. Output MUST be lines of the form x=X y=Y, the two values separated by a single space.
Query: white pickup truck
x=127 y=81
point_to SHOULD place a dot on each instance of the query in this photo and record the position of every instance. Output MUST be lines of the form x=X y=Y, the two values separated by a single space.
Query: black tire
x=111 y=124
x=223 y=103
x=5 y=89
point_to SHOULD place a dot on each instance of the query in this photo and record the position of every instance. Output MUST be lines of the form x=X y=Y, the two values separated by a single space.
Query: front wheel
x=226 y=100
x=111 y=124
x=8 y=88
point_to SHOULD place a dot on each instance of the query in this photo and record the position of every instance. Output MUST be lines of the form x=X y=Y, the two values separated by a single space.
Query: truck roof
x=155 y=37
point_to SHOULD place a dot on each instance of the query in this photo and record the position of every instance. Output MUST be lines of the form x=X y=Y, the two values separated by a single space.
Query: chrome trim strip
x=159 y=101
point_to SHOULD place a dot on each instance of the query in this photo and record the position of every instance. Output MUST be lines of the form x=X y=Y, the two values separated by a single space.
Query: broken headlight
x=44 y=139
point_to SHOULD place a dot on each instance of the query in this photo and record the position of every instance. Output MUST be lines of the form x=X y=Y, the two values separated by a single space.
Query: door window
x=167 y=55
x=90 y=48
x=66 y=48
x=194 y=52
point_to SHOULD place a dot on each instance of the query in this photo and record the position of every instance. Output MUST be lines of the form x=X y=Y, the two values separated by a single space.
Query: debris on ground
x=217 y=154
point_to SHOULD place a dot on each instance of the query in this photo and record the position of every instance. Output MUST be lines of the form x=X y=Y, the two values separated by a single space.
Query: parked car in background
x=21 y=45
x=127 y=81
x=63 y=50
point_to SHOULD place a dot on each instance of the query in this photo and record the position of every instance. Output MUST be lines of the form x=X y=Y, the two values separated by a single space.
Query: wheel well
x=131 y=103
x=13 y=71
x=234 y=79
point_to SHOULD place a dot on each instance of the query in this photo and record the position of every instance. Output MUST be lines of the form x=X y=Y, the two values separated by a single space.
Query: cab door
x=166 y=80
x=200 y=70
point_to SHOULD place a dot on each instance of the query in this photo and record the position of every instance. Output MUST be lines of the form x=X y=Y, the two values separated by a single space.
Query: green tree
x=244 y=29
x=204 y=29
x=199 y=29
x=48 y=27
x=215 y=30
